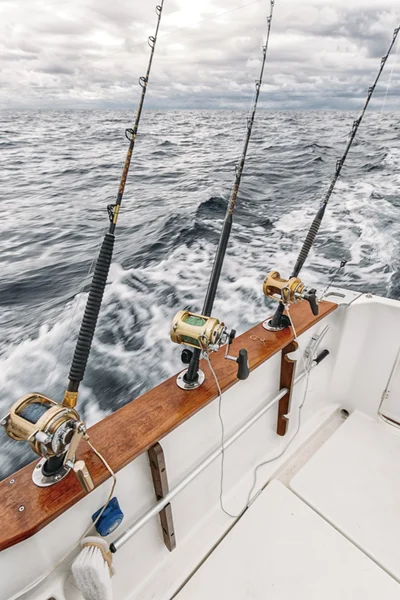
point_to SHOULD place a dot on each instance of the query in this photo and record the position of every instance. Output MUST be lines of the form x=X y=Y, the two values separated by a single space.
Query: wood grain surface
x=133 y=429
x=288 y=370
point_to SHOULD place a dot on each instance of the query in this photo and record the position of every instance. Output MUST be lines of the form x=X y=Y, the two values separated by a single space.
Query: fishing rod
x=289 y=291
x=202 y=332
x=55 y=430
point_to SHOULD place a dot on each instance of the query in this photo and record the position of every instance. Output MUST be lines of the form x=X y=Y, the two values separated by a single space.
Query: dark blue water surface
x=59 y=170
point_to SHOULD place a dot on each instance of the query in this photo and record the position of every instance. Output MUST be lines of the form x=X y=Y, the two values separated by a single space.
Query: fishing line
x=344 y=262
x=307 y=366
x=278 y=320
x=333 y=278
x=390 y=79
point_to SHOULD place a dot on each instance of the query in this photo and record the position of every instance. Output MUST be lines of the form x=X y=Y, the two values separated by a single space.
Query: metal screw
x=38 y=466
x=57 y=477
x=12 y=480
x=21 y=508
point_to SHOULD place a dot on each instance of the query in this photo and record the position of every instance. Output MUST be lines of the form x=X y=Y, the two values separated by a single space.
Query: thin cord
x=221 y=492
x=333 y=278
x=110 y=495
x=307 y=367
x=390 y=79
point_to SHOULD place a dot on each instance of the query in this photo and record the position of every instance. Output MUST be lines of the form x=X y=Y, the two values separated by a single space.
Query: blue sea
x=60 y=169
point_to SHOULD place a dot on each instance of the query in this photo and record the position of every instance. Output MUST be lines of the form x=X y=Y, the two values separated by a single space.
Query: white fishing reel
x=205 y=334
x=53 y=431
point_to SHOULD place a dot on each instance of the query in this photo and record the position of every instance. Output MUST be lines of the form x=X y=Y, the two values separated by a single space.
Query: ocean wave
x=176 y=197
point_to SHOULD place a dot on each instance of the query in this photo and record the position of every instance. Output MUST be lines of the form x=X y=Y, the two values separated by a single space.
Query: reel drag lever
x=242 y=360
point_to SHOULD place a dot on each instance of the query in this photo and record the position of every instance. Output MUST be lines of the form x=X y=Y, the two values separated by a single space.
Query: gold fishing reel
x=53 y=431
x=204 y=334
x=197 y=331
x=286 y=291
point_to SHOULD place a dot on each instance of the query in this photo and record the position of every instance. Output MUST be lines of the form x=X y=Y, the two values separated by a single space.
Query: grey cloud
x=90 y=53
x=56 y=70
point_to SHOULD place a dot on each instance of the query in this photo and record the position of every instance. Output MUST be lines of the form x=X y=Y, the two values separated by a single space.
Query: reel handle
x=242 y=360
x=311 y=298
x=243 y=364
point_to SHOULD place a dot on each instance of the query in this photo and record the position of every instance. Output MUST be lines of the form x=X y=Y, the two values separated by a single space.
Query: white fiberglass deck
x=282 y=549
x=353 y=481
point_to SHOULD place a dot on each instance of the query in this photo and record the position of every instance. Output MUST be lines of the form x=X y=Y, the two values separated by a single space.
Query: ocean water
x=59 y=170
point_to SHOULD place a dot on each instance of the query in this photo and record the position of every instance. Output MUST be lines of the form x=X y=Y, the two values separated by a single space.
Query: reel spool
x=53 y=431
x=204 y=333
x=287 y=291
x=197 y=331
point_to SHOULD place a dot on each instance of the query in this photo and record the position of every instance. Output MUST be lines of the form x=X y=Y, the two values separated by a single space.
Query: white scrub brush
x=92 y=569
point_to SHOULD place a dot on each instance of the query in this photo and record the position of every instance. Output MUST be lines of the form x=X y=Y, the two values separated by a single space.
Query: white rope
x=250 y=498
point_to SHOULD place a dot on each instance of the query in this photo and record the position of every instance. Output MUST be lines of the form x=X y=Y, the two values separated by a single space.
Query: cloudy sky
x=90 y=53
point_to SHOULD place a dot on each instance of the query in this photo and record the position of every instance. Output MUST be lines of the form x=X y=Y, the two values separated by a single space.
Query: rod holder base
x=186 y=385
x=46 y=481
x=283 y=324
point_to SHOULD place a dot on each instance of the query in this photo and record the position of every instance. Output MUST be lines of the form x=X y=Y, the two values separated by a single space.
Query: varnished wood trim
x=133 y=429
x=160 y=481
x=288 y=370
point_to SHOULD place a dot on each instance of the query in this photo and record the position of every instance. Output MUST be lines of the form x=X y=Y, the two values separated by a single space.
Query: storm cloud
x=90 y=53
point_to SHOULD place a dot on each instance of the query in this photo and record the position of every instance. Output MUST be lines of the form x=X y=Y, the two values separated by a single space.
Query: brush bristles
x=92 y=574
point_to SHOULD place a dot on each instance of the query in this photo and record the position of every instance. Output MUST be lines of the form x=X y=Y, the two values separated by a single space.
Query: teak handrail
x=133 y=429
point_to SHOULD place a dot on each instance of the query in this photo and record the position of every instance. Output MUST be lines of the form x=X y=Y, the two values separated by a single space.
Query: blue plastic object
x=111 y=518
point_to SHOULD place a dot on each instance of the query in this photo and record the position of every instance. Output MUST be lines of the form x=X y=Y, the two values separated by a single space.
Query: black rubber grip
x=243 y=364
x=311 y=298
x=304 y=252
x=92 y=310
x=321 y=356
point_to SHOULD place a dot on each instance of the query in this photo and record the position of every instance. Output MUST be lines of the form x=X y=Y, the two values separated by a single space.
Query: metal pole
x=152 y=512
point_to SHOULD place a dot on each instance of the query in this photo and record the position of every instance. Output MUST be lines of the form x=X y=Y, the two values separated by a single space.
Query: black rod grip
x=309 y=241
x=93 y=304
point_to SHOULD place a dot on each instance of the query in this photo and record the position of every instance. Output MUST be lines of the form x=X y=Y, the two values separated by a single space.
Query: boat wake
x=168 y=231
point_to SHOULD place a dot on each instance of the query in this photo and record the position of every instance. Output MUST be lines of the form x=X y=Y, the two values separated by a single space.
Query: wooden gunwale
x=133 y=429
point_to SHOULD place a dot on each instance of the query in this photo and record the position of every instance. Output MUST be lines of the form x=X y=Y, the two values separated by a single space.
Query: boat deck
x=331 y=532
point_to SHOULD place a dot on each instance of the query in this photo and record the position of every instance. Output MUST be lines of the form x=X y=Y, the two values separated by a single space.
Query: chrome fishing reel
x=287 y=291
x=204 y=334
x=53 y=431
